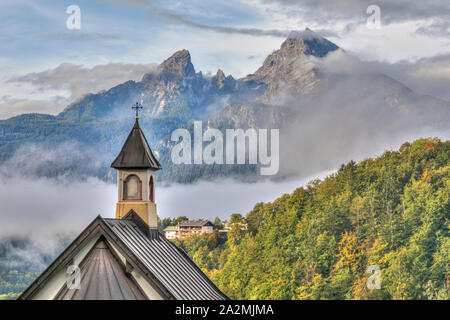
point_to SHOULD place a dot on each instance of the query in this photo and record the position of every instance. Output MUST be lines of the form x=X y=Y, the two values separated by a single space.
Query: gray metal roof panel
x=169 y=264
x=102 y=278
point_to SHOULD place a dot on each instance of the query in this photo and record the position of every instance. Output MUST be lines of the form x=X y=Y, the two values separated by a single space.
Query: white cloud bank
x=207 y=199
x=50 y=91
x=40 y=208
x=430 y=76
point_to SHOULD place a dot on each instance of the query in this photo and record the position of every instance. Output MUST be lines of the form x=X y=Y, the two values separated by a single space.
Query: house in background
x=171 y=232
x=188 y=228
x=126 y=258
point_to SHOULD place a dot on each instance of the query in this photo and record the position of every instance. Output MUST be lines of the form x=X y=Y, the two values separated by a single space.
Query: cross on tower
x=136 y=107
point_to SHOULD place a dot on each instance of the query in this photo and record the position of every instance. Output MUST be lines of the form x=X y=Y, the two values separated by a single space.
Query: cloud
x=41 y=208
x=174 y=18
x=342 y=21
x=330 y=12
x=409 y=29
x=11 y=107
x=82 y=36
x=50 y=91
x=429 y=76
x=43 y=215
x=326 y=15
x=439 y=28
x=350 y=110
x=210 y=199
x=40 y=216
x=79 y=80
x=360 y=112
x=25 y=254
x=67 y=160
x=343 y=125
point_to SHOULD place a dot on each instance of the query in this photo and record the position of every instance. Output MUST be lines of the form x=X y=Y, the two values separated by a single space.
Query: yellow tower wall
x=145 y=209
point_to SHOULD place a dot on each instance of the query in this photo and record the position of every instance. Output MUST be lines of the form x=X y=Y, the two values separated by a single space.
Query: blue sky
x=34 y=33
x=233 y=35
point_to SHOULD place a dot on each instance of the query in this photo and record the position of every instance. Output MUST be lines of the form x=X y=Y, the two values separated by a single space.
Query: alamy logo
x=73 y=22
x=235 y=152
x=374 y=20
x=374 y=281
x=74 y=280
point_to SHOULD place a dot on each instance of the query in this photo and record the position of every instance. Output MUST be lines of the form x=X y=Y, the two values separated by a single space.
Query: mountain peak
x=307 y=34
x=221 y=81
x=178 y=64
x=288 y=65
x=220 y=75
x=298 y=45
x=306 y=42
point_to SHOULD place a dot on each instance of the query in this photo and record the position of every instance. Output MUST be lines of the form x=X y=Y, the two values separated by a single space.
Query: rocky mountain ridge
x=173 y=90
x=291 y=91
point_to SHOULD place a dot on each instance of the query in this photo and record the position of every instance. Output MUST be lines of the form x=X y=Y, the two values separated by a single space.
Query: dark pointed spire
x=136 y=153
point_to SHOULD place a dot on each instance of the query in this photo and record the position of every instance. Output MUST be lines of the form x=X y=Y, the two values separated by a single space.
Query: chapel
x=125 y=258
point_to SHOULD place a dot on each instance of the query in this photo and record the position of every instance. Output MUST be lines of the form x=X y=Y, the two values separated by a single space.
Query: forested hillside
x=316 y=243
x=22 y=260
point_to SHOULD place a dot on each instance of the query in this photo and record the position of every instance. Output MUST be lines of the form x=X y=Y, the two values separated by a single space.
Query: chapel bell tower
x=136 y=166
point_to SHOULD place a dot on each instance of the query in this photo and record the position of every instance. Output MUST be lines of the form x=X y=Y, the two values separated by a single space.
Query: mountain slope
x=173 y=95
x=325 y=117
x=289 y=65
x=173 y=90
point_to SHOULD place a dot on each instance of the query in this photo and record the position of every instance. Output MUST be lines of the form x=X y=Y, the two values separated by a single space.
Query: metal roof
x=194 y=223
x=136 y=153
x=102 y=278
x=170 y=265
x=171 y=228
x=166 y=267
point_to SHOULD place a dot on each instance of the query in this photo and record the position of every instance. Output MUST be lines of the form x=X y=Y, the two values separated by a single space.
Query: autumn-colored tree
x=391 y=212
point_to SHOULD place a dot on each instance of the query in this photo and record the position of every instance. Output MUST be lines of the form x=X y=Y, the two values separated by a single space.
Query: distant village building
x=171 y=232
x=126 y=258
x=188 y=228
